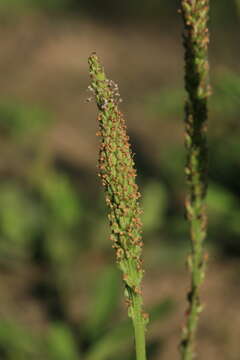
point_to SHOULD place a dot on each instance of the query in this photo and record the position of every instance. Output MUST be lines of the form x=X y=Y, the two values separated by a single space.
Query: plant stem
x=195 y=38
x=117 y=172
x=139 y=328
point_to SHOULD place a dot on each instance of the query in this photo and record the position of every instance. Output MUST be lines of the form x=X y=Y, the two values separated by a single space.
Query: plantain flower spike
x=117 y=174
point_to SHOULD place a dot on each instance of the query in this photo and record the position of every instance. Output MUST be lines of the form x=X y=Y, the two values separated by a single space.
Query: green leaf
x=113 y=342
x=60 y=343
x=105 y=300
x=60 y=198
x=18 y=221
x=225 y=99
x=221 y=201
x=17 y=343
x=22 y=121
x=224 y=209
x=154 y=205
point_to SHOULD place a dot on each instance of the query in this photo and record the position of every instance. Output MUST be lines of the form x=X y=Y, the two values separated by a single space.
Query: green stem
x=139 y=328
x=196 y=265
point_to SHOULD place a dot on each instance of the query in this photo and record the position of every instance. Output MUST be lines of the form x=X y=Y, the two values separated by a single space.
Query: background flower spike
x=195 y=14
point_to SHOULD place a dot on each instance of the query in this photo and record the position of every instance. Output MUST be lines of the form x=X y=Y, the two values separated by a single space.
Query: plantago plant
x=195 y=17
x=117 y=173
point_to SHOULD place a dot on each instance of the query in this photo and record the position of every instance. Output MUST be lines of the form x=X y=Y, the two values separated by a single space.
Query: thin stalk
x=139 y=328
x=195 y=15
x=117 y=173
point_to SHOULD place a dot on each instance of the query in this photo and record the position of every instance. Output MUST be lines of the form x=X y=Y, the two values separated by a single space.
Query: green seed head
x=117 y=173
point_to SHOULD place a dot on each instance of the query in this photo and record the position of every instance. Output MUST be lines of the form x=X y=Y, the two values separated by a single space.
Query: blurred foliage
x=49 y=218
x=46 y=220
x=154 y=204
x=167 y=102
x=226 y=95
x=224 y=160
x=224 y=212
x=23 y=5
x=238 y=5
x=104 y=302
x=40 y=221
x=60 y=343
x=118 y=340
x=19 y=121
x=17 y=343
x=224 y=101
x=18 y=221
x=223 y=12
x=97 y=8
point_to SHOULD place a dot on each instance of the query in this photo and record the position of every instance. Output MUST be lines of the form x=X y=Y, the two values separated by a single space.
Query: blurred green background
x=61 y=296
